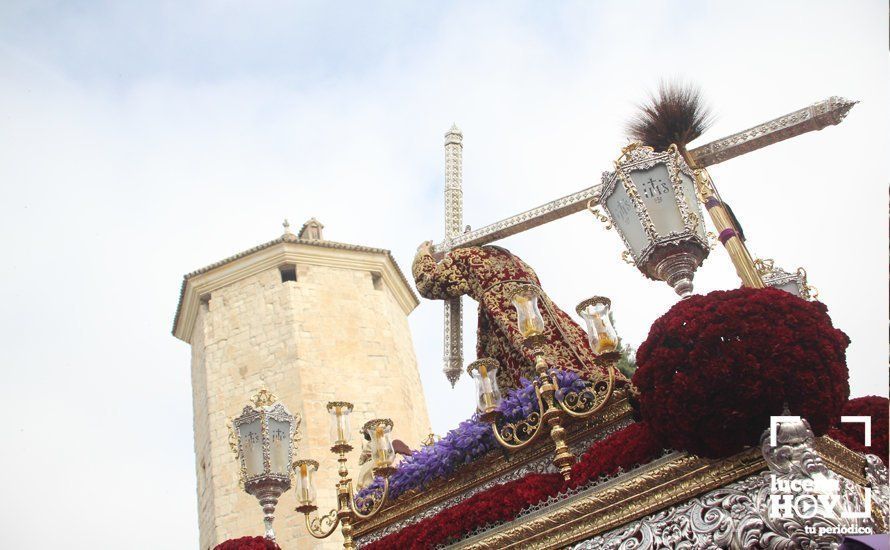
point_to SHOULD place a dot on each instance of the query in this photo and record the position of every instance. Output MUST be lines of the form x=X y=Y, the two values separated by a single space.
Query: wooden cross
x=829 y=112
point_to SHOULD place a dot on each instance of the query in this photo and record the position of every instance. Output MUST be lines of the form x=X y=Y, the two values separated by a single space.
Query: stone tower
x=312 y=321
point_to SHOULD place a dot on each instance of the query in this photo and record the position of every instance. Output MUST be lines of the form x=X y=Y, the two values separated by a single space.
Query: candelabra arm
x=378 y=505
x=316 y=525
x=584 y=403
x=514 y=433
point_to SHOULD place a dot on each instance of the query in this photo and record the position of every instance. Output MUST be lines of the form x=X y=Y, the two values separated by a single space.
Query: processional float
x=653 y=198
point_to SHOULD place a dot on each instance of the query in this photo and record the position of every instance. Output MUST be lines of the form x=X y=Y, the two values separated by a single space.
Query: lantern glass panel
x=625 y=217
x=488 y=394
x=789 y=286
x=305 y=485
x=279 y=446
x=252 y=447
x=528 y=316
x=340 y=432
x=600 y=332
x=381 y=445
x=657 y=192
x=688 y=187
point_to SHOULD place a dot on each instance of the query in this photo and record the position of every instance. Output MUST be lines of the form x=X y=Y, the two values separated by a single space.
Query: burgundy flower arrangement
x=248 y=543
x=852 y=435
x=715 y=367
x=623 y=449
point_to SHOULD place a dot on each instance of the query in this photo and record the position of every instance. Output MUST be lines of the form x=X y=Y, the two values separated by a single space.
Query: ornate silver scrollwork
x=794 y=461
x=876 y=475
x=708 y=521
x=738 y=516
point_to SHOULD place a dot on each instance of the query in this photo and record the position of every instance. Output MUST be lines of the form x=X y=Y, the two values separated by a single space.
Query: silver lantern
x=793 y=283
x=651 y=201
x=262 y=438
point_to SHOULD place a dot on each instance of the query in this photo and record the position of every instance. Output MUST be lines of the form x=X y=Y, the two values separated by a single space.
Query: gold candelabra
x=554 y=403
x=347 y=511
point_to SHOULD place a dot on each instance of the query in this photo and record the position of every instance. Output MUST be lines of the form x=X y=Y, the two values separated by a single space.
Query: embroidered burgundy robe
x=489 y=275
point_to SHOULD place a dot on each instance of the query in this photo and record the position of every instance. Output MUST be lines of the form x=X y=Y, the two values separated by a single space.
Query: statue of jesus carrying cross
x=490 y=275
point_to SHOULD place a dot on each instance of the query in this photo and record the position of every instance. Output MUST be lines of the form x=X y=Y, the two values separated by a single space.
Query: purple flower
x=470 y=440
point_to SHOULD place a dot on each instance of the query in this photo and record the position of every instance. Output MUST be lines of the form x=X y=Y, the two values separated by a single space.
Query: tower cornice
x=287 y=249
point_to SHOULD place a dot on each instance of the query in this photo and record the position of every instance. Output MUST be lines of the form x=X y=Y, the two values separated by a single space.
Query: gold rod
x=727 y=231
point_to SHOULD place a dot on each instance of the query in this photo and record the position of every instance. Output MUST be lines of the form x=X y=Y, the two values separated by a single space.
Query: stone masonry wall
x=331 y=335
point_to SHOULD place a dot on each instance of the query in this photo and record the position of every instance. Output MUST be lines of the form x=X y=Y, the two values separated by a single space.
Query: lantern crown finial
x=263 y=398
x=633 y=150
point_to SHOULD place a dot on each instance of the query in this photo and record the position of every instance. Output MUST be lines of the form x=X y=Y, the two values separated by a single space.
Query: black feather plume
x=678 y=114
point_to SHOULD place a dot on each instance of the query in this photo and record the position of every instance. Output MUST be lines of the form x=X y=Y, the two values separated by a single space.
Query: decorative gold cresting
x=593 y=206
x=263 y=398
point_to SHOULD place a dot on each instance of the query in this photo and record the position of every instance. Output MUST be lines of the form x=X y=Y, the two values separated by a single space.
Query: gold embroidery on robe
x=489 y=274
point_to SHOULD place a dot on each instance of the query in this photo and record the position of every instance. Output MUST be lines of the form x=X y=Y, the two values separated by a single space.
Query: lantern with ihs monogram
x=651 y=201
x=262 y=438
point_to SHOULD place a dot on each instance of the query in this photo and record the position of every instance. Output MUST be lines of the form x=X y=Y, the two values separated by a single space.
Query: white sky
x=143 y=141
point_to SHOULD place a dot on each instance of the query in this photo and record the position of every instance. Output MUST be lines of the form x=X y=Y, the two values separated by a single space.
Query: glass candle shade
x=488 y=394
x=791 y=287
x=339 y=431
x=528 y=316
x=304 y=470
x=379 y=431
x=600 y=332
